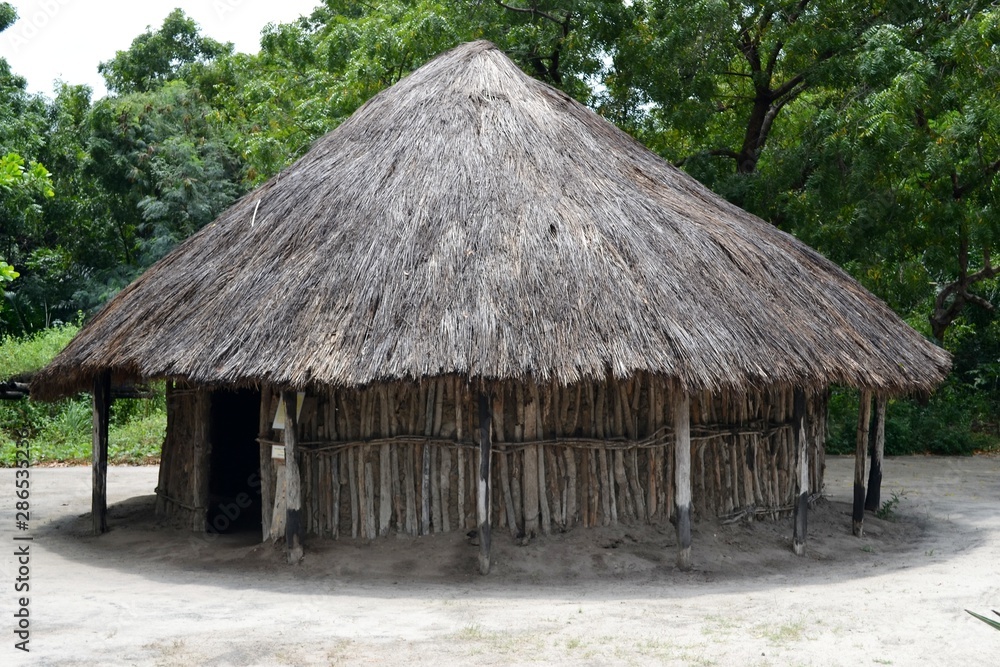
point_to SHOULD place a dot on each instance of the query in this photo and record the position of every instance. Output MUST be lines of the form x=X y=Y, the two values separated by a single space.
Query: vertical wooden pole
x=873 y=500
x=266 y=464
x=864 y=418
x=294 y=530
x=166 y=457
x=483 y=506
x=681 y=404
x=201 y=453
x=99 y=452
x=385 y=495
x=425 y=465
x=530 y=480
x=802 y=451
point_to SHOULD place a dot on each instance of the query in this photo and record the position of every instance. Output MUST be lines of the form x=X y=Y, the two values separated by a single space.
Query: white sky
x=67 y=39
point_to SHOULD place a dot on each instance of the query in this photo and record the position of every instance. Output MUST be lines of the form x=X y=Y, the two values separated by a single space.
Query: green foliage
x=7 y=15
x=157 y=57
x=27 y=354
x=7 y=272
x=166 y=164
x=61 y=432
x=887 y=511
x=33 y=179
x=946 y=424
x=988 y=621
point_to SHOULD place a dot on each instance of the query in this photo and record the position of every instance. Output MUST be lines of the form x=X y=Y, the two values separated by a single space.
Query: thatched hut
x=480 y=304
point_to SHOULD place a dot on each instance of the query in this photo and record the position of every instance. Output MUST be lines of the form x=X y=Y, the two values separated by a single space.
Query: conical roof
x=473 y=220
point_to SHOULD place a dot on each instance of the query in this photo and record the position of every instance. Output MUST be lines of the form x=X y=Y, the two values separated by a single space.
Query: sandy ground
x=146 y=594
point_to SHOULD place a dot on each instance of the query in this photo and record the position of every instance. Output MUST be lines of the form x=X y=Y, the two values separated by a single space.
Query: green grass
x=60 y=432
x=29 y=353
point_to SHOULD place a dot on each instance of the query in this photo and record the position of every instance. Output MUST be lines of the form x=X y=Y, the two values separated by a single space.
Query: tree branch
x=534 y=11
x=715 y=152
x=772 y=60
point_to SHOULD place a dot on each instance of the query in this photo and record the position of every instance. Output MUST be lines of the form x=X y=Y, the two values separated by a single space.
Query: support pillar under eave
x=294 y=528
x=99 y=452
x=483 y=505
x=802 y=456
x=681 y=404
x=864 y=419
x=873 y=499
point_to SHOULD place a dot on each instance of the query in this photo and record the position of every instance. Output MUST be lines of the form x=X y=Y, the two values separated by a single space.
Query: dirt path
x=150 y=595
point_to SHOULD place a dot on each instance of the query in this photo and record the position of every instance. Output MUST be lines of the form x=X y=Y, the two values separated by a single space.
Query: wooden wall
x=401 y=457
x=182 y=490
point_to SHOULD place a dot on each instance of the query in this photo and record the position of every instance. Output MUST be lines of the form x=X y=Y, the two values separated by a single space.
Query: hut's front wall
x=402 y=458
x=182 y=489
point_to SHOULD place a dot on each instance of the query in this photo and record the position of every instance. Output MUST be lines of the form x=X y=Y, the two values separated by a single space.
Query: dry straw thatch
x=472 y=220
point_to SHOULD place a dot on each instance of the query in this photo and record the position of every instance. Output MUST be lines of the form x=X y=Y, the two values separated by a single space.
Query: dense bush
x=20 y=355
x=951 y=421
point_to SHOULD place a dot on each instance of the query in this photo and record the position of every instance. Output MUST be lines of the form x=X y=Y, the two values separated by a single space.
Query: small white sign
x=278 y=452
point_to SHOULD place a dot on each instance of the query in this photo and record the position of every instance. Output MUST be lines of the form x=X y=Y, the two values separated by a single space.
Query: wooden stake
x=369 y=497
x=543 y=500
x=864 y=418
x=873 y=500
x=606 y=488
x=99 y=452
x=802 y=452
x=202 y=456
x=266 y=464
x=460 y=464
x=637 y=493
x=385 y=495
x=335 y=495
x=435 y=484
x=483 y=506
x=445 y=489
x=505 y=488
x=555 y=488
x=682 y=474
x=352 y=480
x=425 y=475
x=294 y=529
x=572 y=483
x=409 y=470
x=529 y=483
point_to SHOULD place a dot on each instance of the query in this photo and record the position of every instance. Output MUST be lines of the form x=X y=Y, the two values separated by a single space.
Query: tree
x=706 y=83
x=157 y=57
x=901 y=179
x=24 y=182
x=164 y=166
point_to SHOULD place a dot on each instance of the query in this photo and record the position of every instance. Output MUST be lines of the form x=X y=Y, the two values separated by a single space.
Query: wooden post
x=530 y=469
x=294 y=529
x=425 y=462
x=873 y=500
x=483 y=506
x=864 y=417
x=99 y=452
x=802 y=454
x=266 y=464
x=681 y=403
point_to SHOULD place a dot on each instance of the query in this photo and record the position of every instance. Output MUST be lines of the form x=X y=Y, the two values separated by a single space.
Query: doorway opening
x=234 y=466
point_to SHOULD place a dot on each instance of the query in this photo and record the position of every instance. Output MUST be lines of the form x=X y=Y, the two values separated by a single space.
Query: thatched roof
x=473 y=220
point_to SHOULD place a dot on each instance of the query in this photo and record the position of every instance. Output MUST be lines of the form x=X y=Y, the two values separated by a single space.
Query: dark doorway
x=234 y=468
